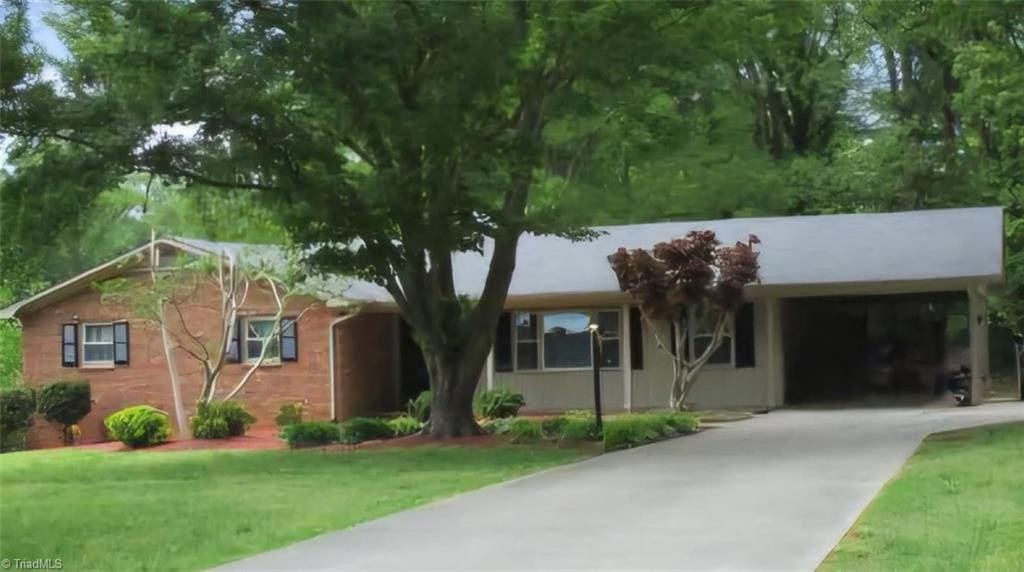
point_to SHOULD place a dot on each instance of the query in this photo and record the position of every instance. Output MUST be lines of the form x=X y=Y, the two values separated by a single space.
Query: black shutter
x=121 y=343
x=69 y=345
x=636 y=339
x=503 y=343
x=289 y=340
x=234 y=348
x=745 y=336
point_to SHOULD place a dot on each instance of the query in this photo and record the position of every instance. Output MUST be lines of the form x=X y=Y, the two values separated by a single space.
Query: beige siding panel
x=717 y=387
x=559 y=390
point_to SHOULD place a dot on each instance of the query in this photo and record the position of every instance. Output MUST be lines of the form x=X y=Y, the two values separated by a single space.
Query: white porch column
x=776 y=365
x=977 y=328
x=490 y=369
x=626 y=358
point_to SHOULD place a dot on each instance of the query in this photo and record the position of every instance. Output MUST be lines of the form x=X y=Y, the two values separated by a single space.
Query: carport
x=873 y=349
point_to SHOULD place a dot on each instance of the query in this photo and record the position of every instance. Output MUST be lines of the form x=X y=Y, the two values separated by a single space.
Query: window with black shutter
x=69 y=345
x=745 y=336
x=289 y=340
x=636 y=339
x=503 y=343
x=121 y=338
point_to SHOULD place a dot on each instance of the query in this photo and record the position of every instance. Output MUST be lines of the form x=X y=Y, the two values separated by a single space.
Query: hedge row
x=351 y=432
x=620 y=431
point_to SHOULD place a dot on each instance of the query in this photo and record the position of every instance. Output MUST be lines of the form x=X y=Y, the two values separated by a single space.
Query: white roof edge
x=11 y=311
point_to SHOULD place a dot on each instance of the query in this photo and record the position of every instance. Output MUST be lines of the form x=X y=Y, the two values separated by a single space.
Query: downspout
x=330 y=363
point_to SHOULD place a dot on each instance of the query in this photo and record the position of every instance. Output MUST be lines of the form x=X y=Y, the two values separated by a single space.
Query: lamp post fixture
x=595 y=342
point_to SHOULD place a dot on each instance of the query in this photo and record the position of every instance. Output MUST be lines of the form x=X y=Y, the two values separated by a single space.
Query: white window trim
x=94 y=363
x=244 y=341
x=539 y=341
x=691 y=315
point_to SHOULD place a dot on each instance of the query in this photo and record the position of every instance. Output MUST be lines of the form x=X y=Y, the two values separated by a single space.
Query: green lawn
x=190 y=510
x=958 y=505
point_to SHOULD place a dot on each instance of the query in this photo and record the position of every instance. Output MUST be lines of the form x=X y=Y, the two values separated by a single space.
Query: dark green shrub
x=571 y=426
x=404 y=425
x=520 y=429
x=551 y=428
x=311 y=433
x=207 y=427
x=580 y=429
x=289 y=414
x=365 y=429
x=498 y=403
x=631 y=430
x=419 y=408
x=138 y=426
x=221 y=420
x=65 y=402
x=16 y=408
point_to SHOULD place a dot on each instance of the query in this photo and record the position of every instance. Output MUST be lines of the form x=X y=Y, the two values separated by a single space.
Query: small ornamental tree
x=170 y=297
x=695 y=270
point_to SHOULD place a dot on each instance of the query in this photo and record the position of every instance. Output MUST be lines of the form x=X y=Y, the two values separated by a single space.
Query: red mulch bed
x=267 y=440
x=255 y=440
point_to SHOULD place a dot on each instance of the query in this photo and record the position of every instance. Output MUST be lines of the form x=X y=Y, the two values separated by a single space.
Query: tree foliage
x=391 y=134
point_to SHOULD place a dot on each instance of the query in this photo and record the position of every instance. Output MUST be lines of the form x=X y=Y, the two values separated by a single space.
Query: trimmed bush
x=498 y=403
x=571 y=426
x=519 y=428
x=419 y=408
x=289 y=414
x=580 y=429
x=221 y=420
x=365 y=429
x=138 y=426
x=404 y=425
x=16 y=408
x=311 y=433
x=65 y=402
x=632 y=430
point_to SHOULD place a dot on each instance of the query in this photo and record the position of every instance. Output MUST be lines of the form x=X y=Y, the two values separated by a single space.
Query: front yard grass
x=195 y=509
x=957 y=505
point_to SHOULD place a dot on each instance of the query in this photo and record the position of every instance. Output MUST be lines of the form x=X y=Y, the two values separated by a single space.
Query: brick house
x=70 y=333
x=849 y=307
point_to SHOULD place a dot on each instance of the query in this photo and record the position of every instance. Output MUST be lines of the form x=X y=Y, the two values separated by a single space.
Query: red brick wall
x=146 y=381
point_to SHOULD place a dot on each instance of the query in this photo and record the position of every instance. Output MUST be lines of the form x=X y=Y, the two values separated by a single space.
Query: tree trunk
x=451 y=408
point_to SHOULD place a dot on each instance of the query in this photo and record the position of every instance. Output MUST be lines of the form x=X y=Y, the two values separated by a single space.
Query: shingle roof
x=798 y=250
x=963 y=245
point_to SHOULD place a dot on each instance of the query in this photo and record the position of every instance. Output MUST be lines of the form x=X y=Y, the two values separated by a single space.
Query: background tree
x=683 y=274
x=389 y=135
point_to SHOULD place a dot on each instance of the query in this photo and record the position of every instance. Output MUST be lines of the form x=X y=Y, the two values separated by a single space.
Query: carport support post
x=977 y=328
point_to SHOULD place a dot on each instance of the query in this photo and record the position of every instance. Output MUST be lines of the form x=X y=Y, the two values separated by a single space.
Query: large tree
x=390 y=135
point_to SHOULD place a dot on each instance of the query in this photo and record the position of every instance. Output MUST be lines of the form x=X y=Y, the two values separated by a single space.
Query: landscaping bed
x=958 y=504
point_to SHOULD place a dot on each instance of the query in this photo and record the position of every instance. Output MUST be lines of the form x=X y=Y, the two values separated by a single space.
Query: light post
x=595 y=343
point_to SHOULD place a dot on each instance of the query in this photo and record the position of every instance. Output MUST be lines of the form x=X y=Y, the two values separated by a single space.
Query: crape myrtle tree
x=168 y=299
x=692 y=271
x=388 y=135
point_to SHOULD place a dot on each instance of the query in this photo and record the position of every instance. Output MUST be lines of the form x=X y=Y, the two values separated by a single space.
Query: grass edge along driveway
x=958 y=504
x=195 y=509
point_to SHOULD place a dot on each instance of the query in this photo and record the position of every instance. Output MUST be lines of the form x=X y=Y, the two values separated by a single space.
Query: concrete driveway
x=776 y=492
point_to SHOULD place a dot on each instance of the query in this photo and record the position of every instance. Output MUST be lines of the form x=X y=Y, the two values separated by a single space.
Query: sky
x=41 y=32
